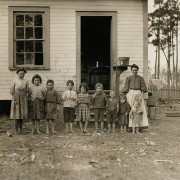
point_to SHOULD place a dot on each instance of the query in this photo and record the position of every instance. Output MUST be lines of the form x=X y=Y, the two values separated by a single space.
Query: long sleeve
x=143 y=85
x=126 y=86
x=12 y=89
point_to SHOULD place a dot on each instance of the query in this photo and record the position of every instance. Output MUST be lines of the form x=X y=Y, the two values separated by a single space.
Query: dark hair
x=21 y=69
x=134 y=66
x=84 y=85
x=98 y=85
x=50 y=81
x=70 y=81
x=37 y=76
x=122 y=96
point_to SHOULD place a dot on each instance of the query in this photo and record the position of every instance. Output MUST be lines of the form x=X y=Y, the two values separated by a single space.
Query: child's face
x=136 y=104
x=122 y=100
x=36 y=81
x=98 y=90
x=21 y=74
x=83 y=90
x=70 y=86
x=112 y=94
x=50 y=86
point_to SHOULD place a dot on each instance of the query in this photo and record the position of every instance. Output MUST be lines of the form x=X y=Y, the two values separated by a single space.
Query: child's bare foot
x=54 y=132
x=137 y=132
x=122 y=131
x=95 y=132
x=71 y=131
x=113 y=131
x=102 y=132
x=39 y=132
x=109 y=131
x=85 y=131
x=66 y=131
x=47 y=132
x=32 y=132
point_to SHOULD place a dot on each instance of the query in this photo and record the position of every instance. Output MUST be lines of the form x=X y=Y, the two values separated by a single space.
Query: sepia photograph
x=89 y=89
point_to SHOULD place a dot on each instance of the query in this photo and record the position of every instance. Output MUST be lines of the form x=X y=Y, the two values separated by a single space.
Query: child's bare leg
x=70 y=128
x=38 y=126
x=124 y=128
x=137 y=130
x=52 y=124
x=102 y=126
x=47 y=126
x=81 y=126
x=133 y=129
x=33 y=126
x=113 y=127
x=67 y=128
x=109 y=128
x=85 y=126
x=96 y=126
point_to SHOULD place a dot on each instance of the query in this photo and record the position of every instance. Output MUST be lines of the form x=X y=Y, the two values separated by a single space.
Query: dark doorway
x=95 y=50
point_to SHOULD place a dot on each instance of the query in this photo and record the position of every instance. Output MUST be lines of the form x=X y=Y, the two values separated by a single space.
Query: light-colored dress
x=19 y=106
x=36 y=103
x=51 y=100
x=135 y=87
x=83 y=107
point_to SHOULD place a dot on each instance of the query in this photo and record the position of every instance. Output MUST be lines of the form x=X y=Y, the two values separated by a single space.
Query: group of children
x=36 y=102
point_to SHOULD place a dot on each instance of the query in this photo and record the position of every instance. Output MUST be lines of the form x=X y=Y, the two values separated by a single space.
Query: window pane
x=38 y=59
x=38 y=33
x=19 y=33
x=19 y=20
x=38 y=20
x=20 y=46
x=19 y=58
x=29 y=47
x=38 y=46
x=29 y=58
x=29 y=33
x=29 y=20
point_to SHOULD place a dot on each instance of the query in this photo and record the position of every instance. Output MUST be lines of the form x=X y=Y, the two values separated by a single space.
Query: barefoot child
x=19 y=91
x=136 y=116
x=124 y=109
x=112 y=108
x=52 y=102
x=99 y=101
x=36 y=104
x=69 y=98
x=83 y=107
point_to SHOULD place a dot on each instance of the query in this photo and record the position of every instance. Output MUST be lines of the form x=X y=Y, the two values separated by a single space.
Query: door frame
x=113 y=43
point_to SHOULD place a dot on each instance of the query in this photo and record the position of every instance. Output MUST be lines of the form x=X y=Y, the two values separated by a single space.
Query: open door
x=96 y=48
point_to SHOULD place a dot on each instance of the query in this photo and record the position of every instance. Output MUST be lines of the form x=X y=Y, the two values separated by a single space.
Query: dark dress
x=51 y=100
x=124 y=109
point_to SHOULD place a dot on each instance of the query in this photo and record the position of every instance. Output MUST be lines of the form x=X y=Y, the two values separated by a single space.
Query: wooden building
x=71 y=39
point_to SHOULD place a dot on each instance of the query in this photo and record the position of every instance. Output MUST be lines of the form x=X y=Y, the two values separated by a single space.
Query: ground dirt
x=153 y=154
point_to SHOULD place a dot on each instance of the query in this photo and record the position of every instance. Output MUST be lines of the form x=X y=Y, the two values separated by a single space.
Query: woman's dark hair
x=50 y=81
x=37 y=76
x=21 y=69
x=70 y=81
x=134 y=66
x=84 y=85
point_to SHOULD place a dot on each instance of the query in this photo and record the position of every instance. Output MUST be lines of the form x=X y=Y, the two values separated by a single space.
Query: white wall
x=63 y=37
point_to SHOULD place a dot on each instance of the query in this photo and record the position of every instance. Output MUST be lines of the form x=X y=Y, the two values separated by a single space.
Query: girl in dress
x=136 y=116
x=36 y=104
x=52 y=100
x=69 y=98
x=124 y=109
x=19 y=91
x=83 y=107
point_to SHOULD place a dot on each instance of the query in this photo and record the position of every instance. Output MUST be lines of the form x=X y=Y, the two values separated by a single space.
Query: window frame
x=46 y=44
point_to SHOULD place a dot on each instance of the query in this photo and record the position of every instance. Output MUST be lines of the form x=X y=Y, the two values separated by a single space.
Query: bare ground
x=153 y=154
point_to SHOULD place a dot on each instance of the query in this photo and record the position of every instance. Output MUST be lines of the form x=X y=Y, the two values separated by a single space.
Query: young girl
x=124 y=109
x=111 y=107
x=136 y=116
x=51 y=105
x=83 y=107
x=36 y=105
x=69 y=98
x=19 y=91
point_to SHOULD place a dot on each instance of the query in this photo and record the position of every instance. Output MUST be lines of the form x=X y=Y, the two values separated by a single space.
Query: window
x=29 y=37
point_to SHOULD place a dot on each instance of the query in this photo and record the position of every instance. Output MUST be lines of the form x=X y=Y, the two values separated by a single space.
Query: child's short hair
x=84 y=85
x=122 y=96
x=112 y=92
x=37 y=76
x=70 y=81
x=135 y=66
x=99 y=85
x=21 y=69
x=50 y=81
